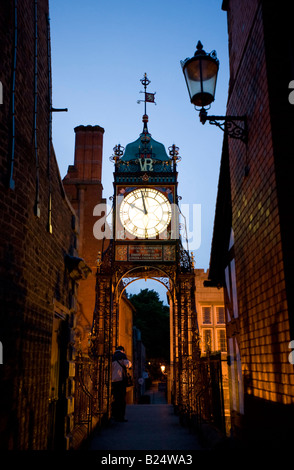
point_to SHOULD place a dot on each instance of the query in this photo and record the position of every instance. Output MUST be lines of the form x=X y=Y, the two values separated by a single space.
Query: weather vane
x=149 y=97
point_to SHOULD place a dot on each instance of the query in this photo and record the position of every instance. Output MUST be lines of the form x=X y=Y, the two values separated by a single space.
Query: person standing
x=120 y=363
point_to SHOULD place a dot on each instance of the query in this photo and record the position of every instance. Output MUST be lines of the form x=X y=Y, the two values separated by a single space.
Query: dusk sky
x=101 y=50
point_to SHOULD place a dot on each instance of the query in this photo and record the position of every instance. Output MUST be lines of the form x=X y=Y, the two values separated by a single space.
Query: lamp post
x=200 y=72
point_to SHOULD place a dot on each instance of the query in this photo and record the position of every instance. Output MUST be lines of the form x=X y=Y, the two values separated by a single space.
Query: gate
x=209 y=398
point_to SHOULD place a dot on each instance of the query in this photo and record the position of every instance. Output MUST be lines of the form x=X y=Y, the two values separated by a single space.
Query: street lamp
x=200 y=72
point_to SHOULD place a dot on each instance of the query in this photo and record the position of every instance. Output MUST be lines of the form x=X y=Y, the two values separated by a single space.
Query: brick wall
x=33 y=273
x=264 y=332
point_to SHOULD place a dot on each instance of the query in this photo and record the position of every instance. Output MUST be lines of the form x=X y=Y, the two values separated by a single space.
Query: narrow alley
x=146 y=250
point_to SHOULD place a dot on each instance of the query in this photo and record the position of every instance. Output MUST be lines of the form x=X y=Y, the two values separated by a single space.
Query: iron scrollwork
x=228 y=124
x=184 y=260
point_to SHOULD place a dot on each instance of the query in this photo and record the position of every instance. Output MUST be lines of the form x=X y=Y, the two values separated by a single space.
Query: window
x=221 y=340
x=206 y=315
x=220 y=315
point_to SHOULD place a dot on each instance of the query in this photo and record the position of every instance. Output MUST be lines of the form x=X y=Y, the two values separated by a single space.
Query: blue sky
x=101 y=50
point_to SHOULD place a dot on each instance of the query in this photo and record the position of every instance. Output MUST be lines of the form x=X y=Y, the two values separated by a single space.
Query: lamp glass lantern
x=200 y=73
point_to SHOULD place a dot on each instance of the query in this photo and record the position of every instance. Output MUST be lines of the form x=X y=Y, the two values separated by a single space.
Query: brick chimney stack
x=83 y=187
x=88 y=154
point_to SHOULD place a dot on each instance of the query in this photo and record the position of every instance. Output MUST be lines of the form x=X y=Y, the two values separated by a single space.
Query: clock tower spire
x=148 y=97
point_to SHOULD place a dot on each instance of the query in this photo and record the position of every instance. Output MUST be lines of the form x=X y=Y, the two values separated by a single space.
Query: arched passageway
x=112 y=279
x=144 y=308
x=162 y=382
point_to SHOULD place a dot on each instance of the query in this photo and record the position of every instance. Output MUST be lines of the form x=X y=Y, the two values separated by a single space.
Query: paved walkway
x=156 y=394
x=151 y=426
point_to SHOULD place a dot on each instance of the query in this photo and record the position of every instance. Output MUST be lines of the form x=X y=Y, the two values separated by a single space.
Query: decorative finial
x=199 y=46
x=145 y=81
x=118 y=151
x=199 y=50
x=149 y=97
x=174 y=151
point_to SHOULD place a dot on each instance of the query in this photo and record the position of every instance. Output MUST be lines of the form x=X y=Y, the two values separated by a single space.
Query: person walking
x=120 y=363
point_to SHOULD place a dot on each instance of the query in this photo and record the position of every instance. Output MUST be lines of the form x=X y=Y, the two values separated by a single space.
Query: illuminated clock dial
x=145 y=212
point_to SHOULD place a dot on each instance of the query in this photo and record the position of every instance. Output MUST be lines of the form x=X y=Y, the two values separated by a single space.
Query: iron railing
x=89 y=391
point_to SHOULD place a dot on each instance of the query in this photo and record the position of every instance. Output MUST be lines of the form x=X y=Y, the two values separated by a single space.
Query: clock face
x=145 y=212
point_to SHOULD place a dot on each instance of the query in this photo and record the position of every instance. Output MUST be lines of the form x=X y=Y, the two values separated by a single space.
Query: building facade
x=252 y=248
x=210 y=314
x=40 y=269
x=211 y=319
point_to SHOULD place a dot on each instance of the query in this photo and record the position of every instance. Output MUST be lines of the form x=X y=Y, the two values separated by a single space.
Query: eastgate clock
x=145 y=212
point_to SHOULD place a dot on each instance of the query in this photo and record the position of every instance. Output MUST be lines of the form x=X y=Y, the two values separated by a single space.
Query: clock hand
x=145 y=210
x=138 y=208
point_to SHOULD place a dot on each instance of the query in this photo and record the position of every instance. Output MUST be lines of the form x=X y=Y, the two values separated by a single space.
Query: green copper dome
x=145 y=144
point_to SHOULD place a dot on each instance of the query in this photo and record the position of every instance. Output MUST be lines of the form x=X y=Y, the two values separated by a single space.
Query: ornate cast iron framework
x=228 y=124
x=112 y=279
x=176 y=273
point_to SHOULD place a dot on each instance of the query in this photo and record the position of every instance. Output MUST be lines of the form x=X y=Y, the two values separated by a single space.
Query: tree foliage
x=152 y=318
